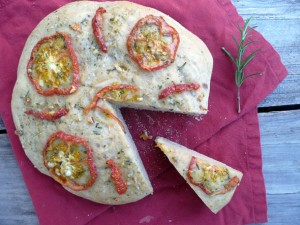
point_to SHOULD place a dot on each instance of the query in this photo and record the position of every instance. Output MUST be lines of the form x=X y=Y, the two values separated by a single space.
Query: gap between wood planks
x=278 y=108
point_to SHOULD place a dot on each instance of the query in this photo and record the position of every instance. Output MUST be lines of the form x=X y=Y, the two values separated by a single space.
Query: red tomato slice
x=116 y=175
x=177 y=88
x=117 y=92
x=203 y=175
x=152 y=43
x=53 y=66
x=48 y=114
x=98 y=27
x=70 y=161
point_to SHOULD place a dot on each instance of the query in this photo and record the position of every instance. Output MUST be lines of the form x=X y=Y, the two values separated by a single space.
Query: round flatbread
x=76 y=71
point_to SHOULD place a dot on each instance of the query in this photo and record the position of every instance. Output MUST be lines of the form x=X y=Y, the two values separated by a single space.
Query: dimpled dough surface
x=97 y=70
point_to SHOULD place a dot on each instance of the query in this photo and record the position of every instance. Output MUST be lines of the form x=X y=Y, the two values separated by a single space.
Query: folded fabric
x=221 y=134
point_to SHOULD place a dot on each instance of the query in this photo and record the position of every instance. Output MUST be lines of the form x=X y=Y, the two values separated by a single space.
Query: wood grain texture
x=280 y=138
x=279 y=22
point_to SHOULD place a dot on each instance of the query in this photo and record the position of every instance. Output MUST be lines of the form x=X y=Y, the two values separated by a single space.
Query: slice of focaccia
x=213 y=181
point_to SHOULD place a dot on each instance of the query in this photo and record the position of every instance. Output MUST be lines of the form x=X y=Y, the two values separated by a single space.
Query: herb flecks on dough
x=239 y=62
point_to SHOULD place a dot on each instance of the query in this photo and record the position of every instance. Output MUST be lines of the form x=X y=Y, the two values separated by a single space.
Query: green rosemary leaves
x=241 y=62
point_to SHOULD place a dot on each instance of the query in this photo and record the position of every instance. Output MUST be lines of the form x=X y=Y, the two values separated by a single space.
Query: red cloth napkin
x=222 y=134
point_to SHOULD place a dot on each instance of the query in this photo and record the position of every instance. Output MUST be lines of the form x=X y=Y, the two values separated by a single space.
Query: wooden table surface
x=279 y=115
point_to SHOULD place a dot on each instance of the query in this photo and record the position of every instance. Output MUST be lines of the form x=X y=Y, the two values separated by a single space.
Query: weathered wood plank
x=278 y=9
x=280 y=132
x=288 y=46
x=283 y=209
x=279 y=22
x=16 y=205
x=287 y=93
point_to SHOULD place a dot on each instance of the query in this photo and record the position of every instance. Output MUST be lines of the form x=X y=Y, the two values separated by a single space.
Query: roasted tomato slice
x=48 y=114
x=152 y=43
x=119 y=93
x=177 y=88
x=70 y=161
x=116 y=175
x=53 y=67
x=116 y=92
x=97 y=24
x=211 y=179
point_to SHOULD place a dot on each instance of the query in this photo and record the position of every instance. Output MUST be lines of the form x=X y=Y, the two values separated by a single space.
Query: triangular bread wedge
x=213 y=181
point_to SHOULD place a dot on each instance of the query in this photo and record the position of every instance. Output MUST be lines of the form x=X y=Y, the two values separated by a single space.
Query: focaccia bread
x=79 y=65
x=213 y=181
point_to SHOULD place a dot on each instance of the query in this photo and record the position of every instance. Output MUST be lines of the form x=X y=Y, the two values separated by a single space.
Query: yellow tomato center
x=212 y=177
x=67 y=161
x=152 y=45
x=123 y=94
x=52 y=65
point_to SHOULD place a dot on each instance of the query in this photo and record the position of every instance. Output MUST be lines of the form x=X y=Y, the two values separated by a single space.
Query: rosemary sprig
x=241 y=62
